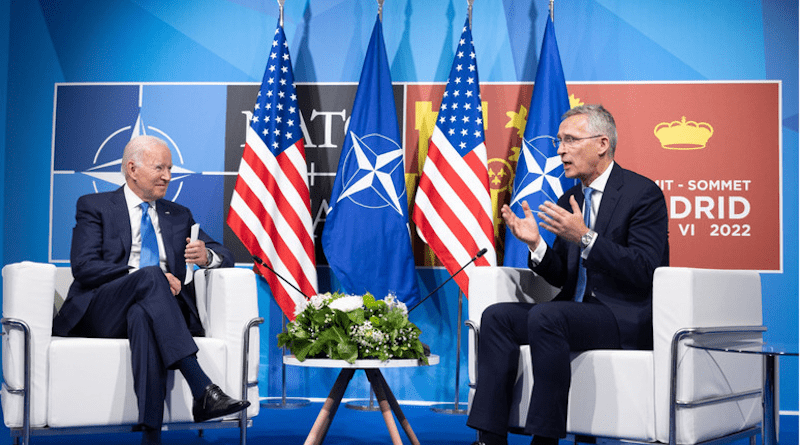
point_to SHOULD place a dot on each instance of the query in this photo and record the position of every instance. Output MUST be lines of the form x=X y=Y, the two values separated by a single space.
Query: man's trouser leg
x=141 y=307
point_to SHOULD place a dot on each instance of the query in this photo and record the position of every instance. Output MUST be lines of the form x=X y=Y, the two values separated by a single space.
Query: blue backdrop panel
x=227 y=41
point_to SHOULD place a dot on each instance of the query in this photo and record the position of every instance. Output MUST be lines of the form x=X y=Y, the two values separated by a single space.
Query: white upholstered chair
x=635 y=395
x=56 y=385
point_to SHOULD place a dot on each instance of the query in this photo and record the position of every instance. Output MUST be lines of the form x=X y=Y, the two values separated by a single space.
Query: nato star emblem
x=370 y=184
x=540 y=168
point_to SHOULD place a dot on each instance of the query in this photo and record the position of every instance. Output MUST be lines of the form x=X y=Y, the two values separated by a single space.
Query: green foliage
x=352 y=328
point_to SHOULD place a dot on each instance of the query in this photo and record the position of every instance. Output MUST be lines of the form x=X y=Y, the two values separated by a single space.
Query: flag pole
x=357 y=404
x=456 y=406
x=552 y=15
x=283 y=402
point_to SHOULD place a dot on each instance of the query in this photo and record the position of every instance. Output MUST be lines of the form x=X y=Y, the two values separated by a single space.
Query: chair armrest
x=490 y=285
x=227 y=300
x=688 y=301
x=28 y=292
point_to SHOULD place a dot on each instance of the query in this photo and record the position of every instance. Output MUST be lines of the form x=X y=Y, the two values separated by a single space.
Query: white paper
x=189 y=266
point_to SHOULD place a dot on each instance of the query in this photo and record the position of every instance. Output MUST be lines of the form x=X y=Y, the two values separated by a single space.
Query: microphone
x=475 y=258
x=261 y=262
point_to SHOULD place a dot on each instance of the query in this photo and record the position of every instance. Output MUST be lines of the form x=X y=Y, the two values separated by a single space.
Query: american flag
x=453 y=208
x=270 y=208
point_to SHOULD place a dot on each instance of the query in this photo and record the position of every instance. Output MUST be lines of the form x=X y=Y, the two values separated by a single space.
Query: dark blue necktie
x=149 y=255
x=580 y=288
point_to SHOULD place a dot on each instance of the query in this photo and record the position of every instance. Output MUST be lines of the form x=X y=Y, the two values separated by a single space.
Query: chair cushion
x=98 y=372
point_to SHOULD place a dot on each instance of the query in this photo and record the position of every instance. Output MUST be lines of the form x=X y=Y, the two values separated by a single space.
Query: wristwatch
x=587 y=238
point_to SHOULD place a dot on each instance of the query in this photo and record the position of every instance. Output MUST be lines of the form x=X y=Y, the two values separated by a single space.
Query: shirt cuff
x=213 y=259
x=588 y=249
x=538 y=254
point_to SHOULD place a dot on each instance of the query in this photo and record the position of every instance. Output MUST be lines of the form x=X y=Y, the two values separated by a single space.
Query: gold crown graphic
x=683 y=134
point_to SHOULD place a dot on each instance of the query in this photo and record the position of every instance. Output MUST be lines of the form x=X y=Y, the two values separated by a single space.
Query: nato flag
x=366 y=237
x=540 y=174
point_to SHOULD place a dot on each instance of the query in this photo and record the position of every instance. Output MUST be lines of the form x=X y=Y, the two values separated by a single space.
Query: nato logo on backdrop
x=725 y=203
x=93 y=122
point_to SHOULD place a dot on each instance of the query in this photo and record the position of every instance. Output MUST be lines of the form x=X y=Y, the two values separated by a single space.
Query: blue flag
x=366 y=237
x=540 y=174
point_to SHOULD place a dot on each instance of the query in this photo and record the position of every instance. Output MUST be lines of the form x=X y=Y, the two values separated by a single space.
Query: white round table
x=383 y=393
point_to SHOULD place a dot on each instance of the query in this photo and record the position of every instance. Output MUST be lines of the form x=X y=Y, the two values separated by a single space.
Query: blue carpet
x=349 y=427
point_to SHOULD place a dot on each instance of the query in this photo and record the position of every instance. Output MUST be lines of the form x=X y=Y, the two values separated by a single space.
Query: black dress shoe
x=488 y=438
x=215 y=403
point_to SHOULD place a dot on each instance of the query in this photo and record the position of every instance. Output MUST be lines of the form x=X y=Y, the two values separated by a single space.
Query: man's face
x=150 y=179
x=581 y=157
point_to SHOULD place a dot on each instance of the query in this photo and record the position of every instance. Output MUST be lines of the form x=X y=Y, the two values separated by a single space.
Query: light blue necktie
x=149 y=255
x=580 y=288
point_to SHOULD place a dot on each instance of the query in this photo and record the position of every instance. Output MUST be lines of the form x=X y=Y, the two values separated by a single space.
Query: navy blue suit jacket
x=101 y=246
x=632 y=227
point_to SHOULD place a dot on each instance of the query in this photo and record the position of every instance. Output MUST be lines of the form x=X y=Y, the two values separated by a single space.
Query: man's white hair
x=136 y=147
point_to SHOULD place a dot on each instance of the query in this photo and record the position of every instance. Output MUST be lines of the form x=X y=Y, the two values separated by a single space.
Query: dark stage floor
x=349 y=427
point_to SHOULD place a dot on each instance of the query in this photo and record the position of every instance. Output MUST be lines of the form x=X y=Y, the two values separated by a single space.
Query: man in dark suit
x=130 y=248
x=611 y=236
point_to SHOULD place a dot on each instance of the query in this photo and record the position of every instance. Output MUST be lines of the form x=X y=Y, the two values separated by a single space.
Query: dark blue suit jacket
x=101 y=246
x=632 y=227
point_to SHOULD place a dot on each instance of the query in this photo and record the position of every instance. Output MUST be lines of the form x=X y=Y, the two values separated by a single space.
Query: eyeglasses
x=570 y=140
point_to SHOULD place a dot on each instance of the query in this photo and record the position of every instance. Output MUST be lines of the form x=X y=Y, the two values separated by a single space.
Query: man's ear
x=603 y=150
x=130 y=168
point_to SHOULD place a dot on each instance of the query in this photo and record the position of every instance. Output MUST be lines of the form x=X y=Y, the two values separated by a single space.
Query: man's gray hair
x=600 y=122
x=135 y=148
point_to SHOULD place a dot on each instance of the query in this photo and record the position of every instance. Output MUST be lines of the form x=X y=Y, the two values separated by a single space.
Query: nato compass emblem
x=111 y=172
x=540 y=168
x=367 y=173
x=92 y=124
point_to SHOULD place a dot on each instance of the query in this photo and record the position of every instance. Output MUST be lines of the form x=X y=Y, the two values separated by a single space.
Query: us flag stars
x=461 y=115
x=275 y=116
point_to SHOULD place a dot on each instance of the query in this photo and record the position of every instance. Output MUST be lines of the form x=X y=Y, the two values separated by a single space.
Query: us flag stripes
x=452 y=207
x=270 y=209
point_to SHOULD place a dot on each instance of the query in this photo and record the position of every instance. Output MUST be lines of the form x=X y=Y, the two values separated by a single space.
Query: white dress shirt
x=135 y=213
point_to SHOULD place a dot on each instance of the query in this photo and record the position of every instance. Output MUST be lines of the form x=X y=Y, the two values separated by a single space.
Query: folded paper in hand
x=190 y=267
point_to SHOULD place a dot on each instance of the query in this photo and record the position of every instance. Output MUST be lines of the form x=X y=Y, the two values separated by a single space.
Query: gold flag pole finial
x=380 y=10
x=280 y=5
x=469 y=12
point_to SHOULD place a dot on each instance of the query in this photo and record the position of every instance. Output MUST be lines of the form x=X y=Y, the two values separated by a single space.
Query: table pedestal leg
x=769 y=434
x=386 y=400
x=323 y=422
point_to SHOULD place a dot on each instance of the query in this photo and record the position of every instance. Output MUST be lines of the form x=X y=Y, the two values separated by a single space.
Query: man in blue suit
x=611 y=236
x=130 y=248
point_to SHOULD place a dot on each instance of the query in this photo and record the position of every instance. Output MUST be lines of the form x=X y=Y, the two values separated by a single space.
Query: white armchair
x=46 y=377
x=636 y=395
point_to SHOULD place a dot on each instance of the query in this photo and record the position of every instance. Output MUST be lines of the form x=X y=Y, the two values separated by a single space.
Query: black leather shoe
x=488 y=438
x=215 y=403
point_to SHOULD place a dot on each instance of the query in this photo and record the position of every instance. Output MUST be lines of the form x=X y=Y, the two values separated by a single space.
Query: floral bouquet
x=351 y=327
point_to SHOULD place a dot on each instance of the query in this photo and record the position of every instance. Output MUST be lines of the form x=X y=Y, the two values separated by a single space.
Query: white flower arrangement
x=351 y=327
